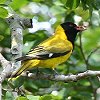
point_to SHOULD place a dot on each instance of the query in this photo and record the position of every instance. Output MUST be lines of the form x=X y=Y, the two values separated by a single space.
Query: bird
x=52 y=51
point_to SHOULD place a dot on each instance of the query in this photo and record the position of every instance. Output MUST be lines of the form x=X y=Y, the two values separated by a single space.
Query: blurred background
x=46 y=16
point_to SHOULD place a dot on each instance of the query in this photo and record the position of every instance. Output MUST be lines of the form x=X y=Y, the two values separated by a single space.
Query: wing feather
x=48 y=51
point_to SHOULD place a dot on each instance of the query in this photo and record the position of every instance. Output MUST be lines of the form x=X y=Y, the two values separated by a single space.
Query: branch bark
x=63 y=78
x=7 y=69
x=17 y=24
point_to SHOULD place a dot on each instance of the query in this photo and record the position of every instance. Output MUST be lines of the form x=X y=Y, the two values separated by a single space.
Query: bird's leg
x=20 y=91
x=37 y=71
x=55 y=72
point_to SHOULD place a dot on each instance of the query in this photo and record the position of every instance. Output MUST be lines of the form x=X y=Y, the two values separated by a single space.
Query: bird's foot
x=37 y=71
x=55 y=72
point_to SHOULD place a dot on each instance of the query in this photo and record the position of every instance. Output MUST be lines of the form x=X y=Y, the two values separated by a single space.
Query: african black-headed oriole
x=53 y=51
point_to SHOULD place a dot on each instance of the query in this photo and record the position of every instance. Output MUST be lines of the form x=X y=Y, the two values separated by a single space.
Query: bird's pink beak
x=81 y=28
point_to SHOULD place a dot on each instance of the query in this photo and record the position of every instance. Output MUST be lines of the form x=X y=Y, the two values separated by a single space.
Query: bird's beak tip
x=81 y=28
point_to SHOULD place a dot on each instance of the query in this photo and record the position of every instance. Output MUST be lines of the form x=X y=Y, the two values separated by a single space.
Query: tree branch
x=63 y=78
x=16 y=39
x=16 y=24
x=7 y=69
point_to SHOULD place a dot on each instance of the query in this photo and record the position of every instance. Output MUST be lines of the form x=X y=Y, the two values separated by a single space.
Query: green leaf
x=1 y=37
x=95 y=82
x=50 y=97
x=3 y=12
x=17 y=4
x=57 y=10
x=82 y=13
x=46 y=97
x=9 y=96
x=2 y=1
x=97 y=4
x=31 y=97
x=28 y=46
x=19 y=81
x=30 y=86
x=72 y=4
x=21 y=98
x=83 y=2
x=92 y=37
x=37 y=0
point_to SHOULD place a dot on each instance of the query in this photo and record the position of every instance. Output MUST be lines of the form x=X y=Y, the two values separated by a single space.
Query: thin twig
x=87 y=63
x=81 y=49
x=92 y=52
x=0 y=91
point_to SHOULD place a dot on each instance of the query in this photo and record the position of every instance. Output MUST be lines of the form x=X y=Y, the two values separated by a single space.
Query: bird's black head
x=71 y=30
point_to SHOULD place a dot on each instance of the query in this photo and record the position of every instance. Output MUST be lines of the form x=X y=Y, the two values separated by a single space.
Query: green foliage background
x=62 y=10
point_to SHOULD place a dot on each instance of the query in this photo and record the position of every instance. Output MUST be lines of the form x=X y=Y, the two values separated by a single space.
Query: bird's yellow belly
x=53 y=62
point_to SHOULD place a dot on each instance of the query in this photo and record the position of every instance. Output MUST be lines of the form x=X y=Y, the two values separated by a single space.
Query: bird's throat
x=71 y=36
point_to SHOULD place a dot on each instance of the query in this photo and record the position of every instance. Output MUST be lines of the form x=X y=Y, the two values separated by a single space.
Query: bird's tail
x=21 y=69
x=25 y=66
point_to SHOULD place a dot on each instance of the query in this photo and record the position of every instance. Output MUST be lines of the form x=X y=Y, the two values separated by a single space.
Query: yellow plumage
x=50 y=53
